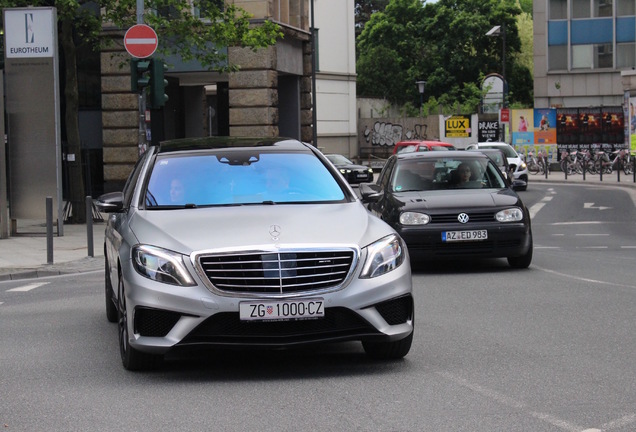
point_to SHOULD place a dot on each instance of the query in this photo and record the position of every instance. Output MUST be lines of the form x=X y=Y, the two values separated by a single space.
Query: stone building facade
x=269 y=96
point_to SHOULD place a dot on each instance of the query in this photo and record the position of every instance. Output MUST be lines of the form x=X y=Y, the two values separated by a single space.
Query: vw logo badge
x=274 y=231
x=462 y=218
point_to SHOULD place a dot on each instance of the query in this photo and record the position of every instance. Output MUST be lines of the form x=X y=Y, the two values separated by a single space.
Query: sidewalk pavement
x=24 y=255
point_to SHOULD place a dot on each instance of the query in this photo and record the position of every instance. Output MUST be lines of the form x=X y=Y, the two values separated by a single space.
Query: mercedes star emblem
x=274 y=231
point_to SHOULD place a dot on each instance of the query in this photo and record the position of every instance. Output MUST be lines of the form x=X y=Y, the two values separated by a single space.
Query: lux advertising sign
x=32 y=112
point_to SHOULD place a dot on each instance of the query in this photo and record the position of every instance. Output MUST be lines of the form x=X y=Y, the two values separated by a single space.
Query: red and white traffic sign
x=140 y=41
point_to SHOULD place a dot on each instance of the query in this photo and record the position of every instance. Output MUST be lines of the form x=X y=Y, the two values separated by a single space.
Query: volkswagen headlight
x=161 y=265
x=414 y=218
x=510 y=215
x=383 y=256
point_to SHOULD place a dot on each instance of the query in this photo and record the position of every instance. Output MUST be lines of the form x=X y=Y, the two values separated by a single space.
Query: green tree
x=196 y=30
x=443 y=43
x=363 y=11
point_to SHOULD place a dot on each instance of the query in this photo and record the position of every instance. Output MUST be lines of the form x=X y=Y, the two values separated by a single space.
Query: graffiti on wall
x=387 y=134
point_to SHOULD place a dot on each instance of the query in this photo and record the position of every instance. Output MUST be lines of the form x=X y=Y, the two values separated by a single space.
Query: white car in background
x=517 y=165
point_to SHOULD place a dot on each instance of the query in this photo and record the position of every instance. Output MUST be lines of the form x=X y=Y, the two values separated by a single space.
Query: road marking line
x=619 y=423
x=579 y=223
x=583 y=279
x=628 y=247
x=593 y=247
x=590 y=235
x=29 y=287
x=535 y=209
x=547 y=198
x=508 y=401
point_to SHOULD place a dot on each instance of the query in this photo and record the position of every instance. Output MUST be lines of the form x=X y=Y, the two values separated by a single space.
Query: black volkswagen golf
x=452 y=204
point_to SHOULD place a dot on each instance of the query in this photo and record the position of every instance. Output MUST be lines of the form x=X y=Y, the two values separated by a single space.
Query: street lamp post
x=501 y=31
x=421 y=85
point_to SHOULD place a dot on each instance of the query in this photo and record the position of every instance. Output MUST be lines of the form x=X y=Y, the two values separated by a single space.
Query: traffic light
x=157 y=96
x=139 y=74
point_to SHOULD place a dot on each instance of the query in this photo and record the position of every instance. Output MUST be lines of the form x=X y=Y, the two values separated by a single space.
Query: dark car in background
x=249 y=243
x=352 y=172
x=452 y=205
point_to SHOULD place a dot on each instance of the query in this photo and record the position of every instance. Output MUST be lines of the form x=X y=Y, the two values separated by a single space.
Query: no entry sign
x=140 y=41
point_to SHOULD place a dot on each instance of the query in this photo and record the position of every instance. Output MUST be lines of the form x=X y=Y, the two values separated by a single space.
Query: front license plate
x=448 y=236
x=362 y=175
x=282 y=310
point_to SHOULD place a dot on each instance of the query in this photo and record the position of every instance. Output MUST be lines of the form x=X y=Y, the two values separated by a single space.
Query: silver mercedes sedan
x=253 y=243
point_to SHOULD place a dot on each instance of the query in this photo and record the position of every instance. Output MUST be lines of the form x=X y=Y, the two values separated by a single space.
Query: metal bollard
x=89 y=225
x=49 y=230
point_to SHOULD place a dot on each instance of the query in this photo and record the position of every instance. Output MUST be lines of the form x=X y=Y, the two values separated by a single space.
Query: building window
x=602 y=8
x=603 y=56
x=625 y=55
x=558 y=57
x=559 y=9
x=625 y=8
x=581 y=8
x=597 y=56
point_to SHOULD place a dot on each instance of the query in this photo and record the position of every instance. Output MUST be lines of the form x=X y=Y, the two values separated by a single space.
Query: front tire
x=388 y=350
x=131 y=358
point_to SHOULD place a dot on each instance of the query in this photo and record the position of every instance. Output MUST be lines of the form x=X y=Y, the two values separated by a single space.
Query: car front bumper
x=162 y=317
x=504 y=240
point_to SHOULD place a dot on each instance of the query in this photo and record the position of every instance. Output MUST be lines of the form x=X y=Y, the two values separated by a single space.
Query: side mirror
x=370 y=192
x=112 y=202
x=518 y=185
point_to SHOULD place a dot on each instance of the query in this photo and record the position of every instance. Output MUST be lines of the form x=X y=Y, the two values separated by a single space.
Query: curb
x=83 y=265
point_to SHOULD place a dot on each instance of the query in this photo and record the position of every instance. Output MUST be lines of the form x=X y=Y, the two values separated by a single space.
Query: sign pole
x=141 y=137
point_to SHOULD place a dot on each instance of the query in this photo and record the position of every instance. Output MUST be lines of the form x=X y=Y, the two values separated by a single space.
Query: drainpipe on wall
x=313 y=79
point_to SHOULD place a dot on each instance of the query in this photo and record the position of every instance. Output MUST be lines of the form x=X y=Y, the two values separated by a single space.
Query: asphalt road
x=550 y=348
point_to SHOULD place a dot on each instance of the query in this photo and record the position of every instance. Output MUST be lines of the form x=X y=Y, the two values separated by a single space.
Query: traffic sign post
x=141 y=41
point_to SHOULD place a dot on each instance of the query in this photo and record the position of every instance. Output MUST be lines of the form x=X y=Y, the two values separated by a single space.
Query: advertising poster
x=488 y=131
x=590 y=126
x=522 y=127
x=545 y=126
x=457 y=126
x=613 y=125
x=567 y=125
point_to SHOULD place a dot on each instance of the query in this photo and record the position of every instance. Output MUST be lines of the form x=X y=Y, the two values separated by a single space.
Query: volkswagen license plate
x=448 y=236
x=282 y=310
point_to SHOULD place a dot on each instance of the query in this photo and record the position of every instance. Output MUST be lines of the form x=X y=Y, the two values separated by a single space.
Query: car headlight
x=509 y=215
x=344 y=171
x=522 y=166
x=383 y=256
x=414 y=218
x=161 y=265
x=370 y=170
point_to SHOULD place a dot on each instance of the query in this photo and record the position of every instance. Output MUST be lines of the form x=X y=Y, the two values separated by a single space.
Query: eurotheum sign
x=29 y=33
x=31 y=74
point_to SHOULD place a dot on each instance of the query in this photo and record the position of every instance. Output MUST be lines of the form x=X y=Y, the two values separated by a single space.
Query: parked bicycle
x=621 y=159
x=537 y=164
x=570 y=163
